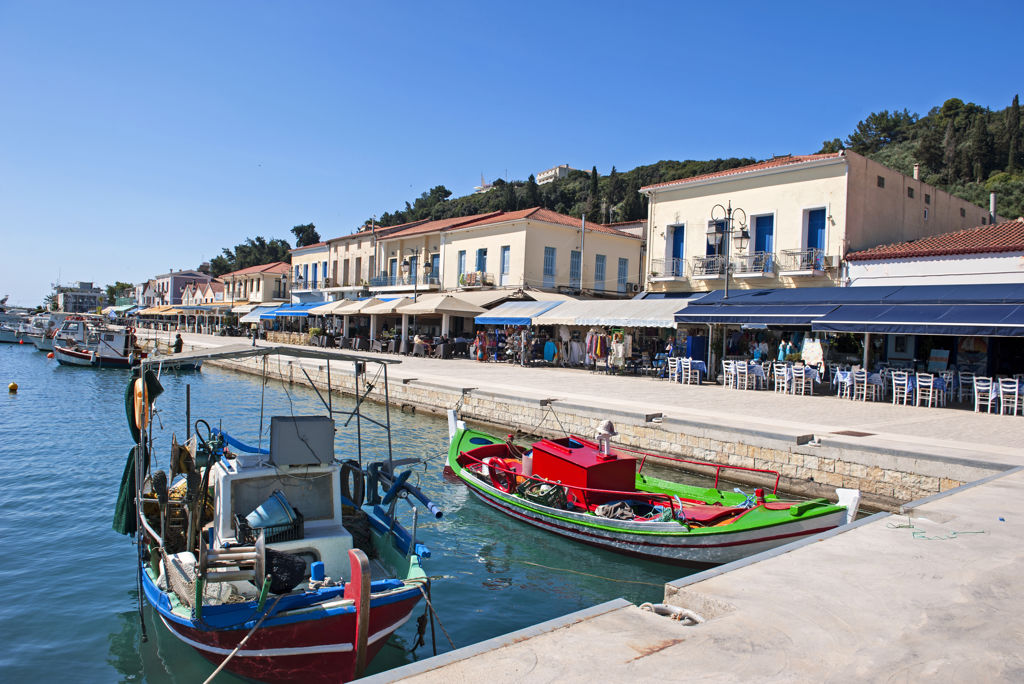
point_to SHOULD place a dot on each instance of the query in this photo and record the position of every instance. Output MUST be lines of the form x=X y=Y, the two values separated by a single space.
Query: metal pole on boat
x=359 y=427
x=387 y=413
x=330 y=402
x=263 y=392
x=188 y=411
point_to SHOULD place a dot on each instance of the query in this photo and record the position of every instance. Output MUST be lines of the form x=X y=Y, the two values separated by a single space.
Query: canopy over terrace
x=618 y=313
x=515 y=313
x=989 y=310
x=443 y=305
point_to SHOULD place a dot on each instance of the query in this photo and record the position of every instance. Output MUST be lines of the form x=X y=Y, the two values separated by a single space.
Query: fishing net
x=286 y=571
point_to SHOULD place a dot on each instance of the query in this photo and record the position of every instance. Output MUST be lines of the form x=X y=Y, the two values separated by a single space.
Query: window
x=462 y=266
x=927 y=198
x=623 y=273
x=506 y=256
x=575 y=269
x=881 y=181
x=298 y=273
x=305 y=273
x=435 y=267
x=716 y=230
x=910 y=193
x=323 y=272
x=599 y=272
x=926 y=214
x=481 y=259
x=963 y=213
x=313 y=284
x=549 y=267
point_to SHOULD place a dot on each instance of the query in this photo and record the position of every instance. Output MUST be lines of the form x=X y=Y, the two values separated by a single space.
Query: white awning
x=244 y=308
x=444 y=304
x=618 y=313
x=254 y=314
x=390 y=307
x=483 y=298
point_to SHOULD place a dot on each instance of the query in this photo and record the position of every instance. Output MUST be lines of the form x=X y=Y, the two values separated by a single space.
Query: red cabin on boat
x=579 y=463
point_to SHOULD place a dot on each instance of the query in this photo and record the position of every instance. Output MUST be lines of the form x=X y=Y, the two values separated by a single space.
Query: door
x=506 y=256
x=435 y=268
x=816 y=239
x=678 y=251
x=764 y=239
x=549 y=267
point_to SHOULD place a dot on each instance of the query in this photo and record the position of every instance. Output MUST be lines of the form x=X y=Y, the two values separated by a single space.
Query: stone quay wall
x=887 y=478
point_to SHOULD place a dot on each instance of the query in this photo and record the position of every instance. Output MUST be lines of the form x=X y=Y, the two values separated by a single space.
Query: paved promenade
x=932 y=595
x=953 y=433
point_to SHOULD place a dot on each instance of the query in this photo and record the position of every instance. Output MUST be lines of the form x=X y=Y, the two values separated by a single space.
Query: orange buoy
x=12 y=388
x=50 y=355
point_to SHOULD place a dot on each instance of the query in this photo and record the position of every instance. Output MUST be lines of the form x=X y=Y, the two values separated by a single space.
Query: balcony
x=668 y=269
x=803 y=262
x=756 y=265
x=398 y=282
x=708 y=267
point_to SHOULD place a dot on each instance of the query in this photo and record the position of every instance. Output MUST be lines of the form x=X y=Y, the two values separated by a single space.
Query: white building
x=84 y=297
x=553 y=174
x=992 y=253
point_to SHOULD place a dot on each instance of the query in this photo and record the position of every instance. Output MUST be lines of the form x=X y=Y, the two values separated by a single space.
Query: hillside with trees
x=965 y=149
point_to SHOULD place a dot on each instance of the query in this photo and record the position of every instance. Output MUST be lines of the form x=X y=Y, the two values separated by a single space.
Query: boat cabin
x=581 y=465
x=301 y=466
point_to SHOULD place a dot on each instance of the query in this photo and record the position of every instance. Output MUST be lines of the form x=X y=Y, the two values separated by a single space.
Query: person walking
x=179 y=344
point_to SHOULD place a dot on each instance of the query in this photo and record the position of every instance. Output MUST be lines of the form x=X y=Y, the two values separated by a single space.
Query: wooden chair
x=966 y=386
x=1009 y=395
x=673 y=368
x=926 y=390
x=985 y=394
x=779 y=375
x=861 y=388
x=728 y=374
x=900 y=387
x=744 y=380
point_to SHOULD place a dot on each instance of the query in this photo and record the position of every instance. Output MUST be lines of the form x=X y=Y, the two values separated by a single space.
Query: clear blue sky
x=136 y=136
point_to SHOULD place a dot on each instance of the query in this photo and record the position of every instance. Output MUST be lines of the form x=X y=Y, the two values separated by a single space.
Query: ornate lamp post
x=725 y=216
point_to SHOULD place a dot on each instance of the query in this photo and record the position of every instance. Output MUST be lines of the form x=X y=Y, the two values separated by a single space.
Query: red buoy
x=50 y=355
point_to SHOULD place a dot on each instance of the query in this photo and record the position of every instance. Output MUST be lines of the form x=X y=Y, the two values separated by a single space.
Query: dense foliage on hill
x=602 y=199
x=252 y=252
x=965 y=149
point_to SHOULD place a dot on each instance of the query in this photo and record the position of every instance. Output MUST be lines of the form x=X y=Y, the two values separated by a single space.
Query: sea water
x=68 y=599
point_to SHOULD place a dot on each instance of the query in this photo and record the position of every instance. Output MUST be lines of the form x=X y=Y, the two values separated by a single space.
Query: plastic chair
x=926 y=391
x=985 y=394
x=744 y=380
x=966 y=386
x=900 y=387
x=1009 y=395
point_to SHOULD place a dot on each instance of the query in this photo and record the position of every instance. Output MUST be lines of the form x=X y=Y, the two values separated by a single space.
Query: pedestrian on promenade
x=179 y=344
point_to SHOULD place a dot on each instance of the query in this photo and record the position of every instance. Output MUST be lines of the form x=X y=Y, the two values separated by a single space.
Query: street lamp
x=725 y=216
x=407 y=267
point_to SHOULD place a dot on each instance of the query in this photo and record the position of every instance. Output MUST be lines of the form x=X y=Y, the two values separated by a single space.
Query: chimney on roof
x=917 y=172
x=992 y=208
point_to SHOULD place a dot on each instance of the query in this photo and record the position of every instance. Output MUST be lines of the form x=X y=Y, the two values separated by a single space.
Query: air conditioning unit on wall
x=832 y=261
x=633 y=287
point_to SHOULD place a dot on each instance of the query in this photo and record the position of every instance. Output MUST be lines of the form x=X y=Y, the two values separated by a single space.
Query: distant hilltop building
x=553 y=174
x=483 y=187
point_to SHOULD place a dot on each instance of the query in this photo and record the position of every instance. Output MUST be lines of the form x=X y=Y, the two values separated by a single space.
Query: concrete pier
x=930 y=594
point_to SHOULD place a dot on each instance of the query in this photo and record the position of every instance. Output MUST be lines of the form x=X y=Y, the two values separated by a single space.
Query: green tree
x=1013 y=134
x=531 y=197
x=508 y=197
x=880 y=129
x=253 y=252
x=615 y=187
x=632 y=208
x=118 y=289
x=981 y=148
x=831 y=146
x=305 y=235
x=593 y=210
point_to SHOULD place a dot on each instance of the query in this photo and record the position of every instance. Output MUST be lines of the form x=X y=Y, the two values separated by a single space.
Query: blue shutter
x=764 y=233
x=816 y=229
x=575 y=263
x=462 y=263
x=549 y=267
x=599 y=272
x=623 y=273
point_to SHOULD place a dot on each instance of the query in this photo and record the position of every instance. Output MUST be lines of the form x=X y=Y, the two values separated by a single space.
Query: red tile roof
x=316 y=244
x=998 y=237
x=776 y=162
x=436 y=226
x=273 y=267
x=547 y=216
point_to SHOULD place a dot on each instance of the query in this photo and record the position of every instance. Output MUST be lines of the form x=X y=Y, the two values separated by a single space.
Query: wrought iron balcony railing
x=802 y=260
x=708 y=266
x=668 y=268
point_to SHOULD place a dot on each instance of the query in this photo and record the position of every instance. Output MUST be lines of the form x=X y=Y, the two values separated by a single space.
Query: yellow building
x=264 y=284
x=802 y=215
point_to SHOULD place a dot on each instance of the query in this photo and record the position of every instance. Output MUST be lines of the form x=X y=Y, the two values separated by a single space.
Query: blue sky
x=137 y=137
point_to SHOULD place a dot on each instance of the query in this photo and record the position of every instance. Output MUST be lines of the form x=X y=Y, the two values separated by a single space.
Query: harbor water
x=69 y=608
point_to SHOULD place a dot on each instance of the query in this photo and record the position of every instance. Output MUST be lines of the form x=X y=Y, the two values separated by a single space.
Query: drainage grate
x=853 y=433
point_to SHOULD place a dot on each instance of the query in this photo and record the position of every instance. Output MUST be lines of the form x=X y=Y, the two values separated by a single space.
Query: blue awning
x=981 y=319
x=254 y=315
x=738 y=314
x=515 y=313
x=293 y=310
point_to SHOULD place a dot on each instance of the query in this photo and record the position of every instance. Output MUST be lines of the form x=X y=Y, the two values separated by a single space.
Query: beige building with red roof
x=527 y=249
x=803 y=215
x=263 y=284
x=992 y=253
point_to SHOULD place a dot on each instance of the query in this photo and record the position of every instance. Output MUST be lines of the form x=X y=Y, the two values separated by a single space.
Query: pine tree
x=1013 y=134
x=594 y=199
x=532 y=196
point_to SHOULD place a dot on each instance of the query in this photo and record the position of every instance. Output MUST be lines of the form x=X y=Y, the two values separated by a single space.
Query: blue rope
x=241 y=446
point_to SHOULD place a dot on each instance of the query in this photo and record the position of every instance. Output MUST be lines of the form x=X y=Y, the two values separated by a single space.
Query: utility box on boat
x=576 y=462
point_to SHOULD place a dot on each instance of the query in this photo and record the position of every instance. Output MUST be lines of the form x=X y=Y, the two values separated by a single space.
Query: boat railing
x=719 y=467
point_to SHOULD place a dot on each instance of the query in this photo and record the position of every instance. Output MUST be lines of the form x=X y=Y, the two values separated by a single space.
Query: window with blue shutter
x=575 y=269
x=599 y=272
x=549 y=267
x=623 y=273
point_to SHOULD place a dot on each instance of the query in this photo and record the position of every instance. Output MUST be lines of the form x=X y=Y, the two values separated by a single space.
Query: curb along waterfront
x=890 y=467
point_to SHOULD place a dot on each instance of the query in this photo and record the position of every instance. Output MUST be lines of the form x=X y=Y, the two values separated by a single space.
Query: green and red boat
x=586 y=491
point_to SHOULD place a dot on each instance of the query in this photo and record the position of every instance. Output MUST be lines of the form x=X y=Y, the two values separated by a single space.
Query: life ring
x=141 y=404
x=353 y=483
x=498 y=471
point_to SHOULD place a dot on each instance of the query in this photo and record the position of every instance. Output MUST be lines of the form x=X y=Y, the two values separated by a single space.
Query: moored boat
x=270 y=561
x=103 y=348
x=586 y=491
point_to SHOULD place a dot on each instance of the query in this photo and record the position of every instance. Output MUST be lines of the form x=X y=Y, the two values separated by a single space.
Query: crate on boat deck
x=246 y=534
x=576 y=462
